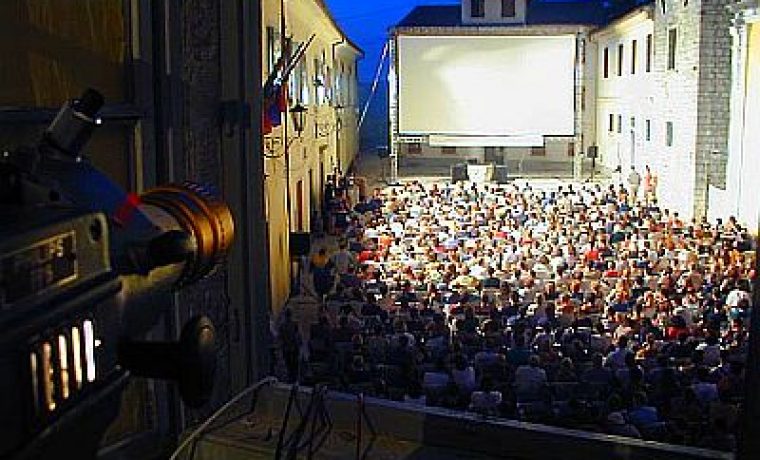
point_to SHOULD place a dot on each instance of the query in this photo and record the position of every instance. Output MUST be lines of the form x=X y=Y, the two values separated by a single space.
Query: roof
x=348 y=41
x=578 y=12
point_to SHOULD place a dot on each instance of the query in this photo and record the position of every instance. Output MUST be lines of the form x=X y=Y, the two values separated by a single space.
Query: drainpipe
x=337 y=132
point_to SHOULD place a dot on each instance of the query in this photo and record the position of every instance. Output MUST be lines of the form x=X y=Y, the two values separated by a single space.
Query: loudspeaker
x=592 y=152
x=459 y=172
x=500 y=174
x=300 y=244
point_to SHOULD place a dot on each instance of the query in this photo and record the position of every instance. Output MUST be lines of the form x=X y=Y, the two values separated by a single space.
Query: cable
x=220 y=412
x=374 y=86
x=284 y=426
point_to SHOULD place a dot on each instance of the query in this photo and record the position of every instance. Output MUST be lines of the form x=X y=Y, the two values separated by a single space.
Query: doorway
x=299 y=207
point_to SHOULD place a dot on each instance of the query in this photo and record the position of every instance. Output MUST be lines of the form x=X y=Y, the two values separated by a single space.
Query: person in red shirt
x=591 y=256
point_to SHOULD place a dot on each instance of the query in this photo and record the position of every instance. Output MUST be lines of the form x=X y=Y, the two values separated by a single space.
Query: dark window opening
x=478 y=8
x=633 y=56
x=620 y=60
x=672 y=45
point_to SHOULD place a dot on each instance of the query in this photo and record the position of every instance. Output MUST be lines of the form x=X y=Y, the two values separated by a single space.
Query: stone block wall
x=714 y=95
x=676 y=101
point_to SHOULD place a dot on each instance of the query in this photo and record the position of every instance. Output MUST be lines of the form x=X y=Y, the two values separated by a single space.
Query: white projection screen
x=486 y=86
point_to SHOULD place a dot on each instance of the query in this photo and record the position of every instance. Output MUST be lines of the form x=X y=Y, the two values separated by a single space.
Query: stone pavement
x=534 y=171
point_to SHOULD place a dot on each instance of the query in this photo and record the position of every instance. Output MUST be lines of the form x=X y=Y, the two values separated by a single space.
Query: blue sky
x=366 y=22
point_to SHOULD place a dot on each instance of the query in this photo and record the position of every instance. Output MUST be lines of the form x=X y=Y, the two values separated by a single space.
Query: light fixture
x=298 y=112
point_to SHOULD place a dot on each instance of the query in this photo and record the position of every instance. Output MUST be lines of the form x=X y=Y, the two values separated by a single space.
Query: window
x=633 y=56
x=648 y=130
x=620 y=60
x=672 y=44
x=414 y=149
x=606 y=62
x=669 y=134
x=507 y=8
x=633 y=122
x=611 y=124
x=302 y=71
x=649 y=53
x=620 y=124
x=271 y=40
x=477 y=8
x=449 y=150
x=663 y=6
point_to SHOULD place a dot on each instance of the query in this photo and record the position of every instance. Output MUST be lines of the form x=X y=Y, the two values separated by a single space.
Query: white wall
x=628 y=96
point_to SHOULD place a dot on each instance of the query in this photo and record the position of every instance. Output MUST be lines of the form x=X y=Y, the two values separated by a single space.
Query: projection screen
x=486 y=86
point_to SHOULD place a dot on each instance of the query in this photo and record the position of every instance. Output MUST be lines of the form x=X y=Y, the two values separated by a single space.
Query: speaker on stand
x=500 y=174
x=459 y=172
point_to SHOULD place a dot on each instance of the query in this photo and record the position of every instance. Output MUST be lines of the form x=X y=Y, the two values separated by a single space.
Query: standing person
x=344 y=261
x=648 y=182
x=655 y=181
x=634 y=181
x=290 y=344
x=322 y=273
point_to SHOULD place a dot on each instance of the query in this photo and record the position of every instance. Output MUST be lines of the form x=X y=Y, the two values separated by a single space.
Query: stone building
x=325 y=83
x=663 y=99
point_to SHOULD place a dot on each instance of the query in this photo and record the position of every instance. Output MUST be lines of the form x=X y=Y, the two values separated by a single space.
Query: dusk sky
x=366 y=22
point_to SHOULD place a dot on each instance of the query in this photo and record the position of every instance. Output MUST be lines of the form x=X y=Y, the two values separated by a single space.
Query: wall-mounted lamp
x=272 y=142
x=298 y=112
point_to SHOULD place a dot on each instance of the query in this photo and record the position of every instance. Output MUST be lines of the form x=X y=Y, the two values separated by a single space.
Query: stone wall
x=713 y=102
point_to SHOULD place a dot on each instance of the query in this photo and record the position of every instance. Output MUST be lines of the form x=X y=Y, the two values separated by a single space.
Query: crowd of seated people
x=580 y=307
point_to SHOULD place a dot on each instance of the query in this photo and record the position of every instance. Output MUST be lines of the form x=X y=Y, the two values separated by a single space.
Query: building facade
x=663 y=98
x=626 y=112
x=297 y=164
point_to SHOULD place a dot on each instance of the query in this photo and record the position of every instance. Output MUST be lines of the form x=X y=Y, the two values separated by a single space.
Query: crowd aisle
x=582 y=306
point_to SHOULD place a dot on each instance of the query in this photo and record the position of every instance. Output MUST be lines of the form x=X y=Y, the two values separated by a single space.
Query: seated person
x=530 y=379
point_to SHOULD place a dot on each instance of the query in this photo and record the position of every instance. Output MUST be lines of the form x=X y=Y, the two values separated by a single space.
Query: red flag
x=282 y=101
x=266 y=124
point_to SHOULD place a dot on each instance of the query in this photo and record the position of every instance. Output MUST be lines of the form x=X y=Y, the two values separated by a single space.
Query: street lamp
x=298 y=112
